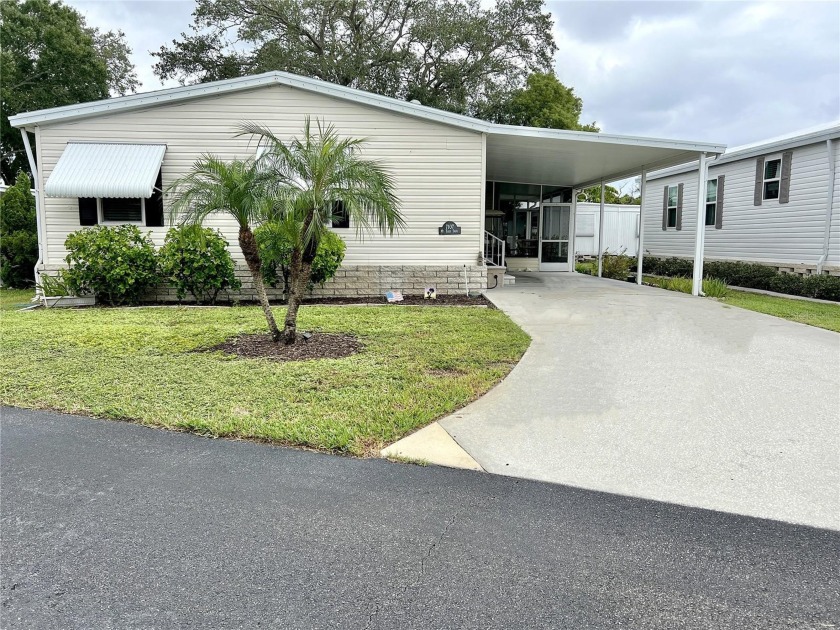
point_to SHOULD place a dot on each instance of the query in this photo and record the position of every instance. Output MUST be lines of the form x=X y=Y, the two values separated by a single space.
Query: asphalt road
x=113 y=525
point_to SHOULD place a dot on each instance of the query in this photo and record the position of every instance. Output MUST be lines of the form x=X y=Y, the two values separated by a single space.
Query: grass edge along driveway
x=142 y=364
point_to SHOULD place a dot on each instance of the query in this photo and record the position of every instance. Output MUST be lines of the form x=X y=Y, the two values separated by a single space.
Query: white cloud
x=720 y=71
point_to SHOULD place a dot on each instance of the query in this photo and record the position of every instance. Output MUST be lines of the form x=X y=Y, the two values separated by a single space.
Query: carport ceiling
x=580 y=158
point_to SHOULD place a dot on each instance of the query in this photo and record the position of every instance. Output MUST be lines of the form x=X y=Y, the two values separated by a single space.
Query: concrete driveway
x=655 y=394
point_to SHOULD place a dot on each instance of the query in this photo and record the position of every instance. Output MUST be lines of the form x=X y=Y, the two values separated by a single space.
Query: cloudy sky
x=729 y=72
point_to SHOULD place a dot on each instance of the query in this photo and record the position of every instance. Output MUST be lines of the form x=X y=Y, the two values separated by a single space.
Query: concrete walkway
x=655 y=394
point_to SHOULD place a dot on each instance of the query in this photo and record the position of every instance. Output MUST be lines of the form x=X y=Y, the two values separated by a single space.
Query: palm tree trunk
x=248 y=245
x=300 y=274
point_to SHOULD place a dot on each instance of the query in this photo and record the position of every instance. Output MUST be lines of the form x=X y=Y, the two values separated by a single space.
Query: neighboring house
x=776 y=202
x=464 y=185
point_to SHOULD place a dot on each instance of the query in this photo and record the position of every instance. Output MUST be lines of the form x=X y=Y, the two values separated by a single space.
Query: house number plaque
x=449 y=228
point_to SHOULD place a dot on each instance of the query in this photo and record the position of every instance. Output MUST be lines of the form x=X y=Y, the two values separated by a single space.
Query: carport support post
x=641 y=253
x=700 y=228
x=601 y=234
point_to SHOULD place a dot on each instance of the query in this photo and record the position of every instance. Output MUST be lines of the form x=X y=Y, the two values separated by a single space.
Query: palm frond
x=306 y=175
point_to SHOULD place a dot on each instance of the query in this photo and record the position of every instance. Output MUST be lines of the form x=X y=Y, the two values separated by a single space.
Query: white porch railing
x=494 y=250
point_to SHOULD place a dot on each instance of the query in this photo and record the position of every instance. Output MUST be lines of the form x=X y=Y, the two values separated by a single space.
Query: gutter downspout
x=39 y=223
x=829 y=206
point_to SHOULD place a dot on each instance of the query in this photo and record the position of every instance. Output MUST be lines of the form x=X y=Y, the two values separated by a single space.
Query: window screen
x=673 y=197
x=122 y=210
x=711 y=201
x=772 y=176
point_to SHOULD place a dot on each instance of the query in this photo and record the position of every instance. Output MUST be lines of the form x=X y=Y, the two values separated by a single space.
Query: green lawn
x=802 y=311
x=418 y=364
x=13 y=299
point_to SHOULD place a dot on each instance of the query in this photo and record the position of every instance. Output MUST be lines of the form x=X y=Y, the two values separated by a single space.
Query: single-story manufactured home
x=775 y=202
x=465 y=186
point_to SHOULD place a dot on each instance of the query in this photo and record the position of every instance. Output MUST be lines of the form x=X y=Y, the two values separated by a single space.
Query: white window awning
x=94 y=169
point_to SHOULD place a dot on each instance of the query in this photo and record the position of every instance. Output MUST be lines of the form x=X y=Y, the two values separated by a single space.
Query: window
x=111 y=210
x=116 y=210
x=673 y=200
x=772 y=178
x=711 y=200
x=340 y=216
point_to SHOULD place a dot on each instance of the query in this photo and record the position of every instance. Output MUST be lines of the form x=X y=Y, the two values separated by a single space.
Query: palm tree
x=215 y=186
x=305 y=180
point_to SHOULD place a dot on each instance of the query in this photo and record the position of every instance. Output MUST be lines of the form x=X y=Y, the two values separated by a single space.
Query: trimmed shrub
x=616 y=266
x=276 y=256
x=821 y=287
x=18 y=234
x=116 y=263
x=786 y=283
x=196 y=260
x=749 y=276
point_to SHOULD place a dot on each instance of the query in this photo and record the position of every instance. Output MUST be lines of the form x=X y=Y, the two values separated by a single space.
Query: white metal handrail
x=494 y=250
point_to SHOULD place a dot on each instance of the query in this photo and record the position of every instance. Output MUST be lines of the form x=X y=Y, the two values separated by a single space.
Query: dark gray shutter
x=759 y=181
x=679 y=206
x=154 y=205
x=88 y=214
x=719 y=204
x=665 y=210
x=784 y=185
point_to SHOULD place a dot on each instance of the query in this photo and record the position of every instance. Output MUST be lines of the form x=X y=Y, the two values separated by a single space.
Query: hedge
x=750 y=276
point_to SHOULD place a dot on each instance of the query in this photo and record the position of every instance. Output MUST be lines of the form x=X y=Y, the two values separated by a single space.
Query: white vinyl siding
x=789 y=233
x=834 y=242
x=670 y=242
x=437 y=168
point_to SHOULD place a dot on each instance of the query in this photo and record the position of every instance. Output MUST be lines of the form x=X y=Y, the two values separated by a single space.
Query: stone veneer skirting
x=357 y=280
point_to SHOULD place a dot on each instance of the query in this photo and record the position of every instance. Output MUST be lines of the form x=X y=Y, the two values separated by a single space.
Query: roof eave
x=605 y=138
x=756 y=151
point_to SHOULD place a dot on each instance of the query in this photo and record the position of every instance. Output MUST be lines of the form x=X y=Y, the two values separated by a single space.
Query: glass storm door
x=554 y=238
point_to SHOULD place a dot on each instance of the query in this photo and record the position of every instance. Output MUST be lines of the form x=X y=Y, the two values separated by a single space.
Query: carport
x=533 y=177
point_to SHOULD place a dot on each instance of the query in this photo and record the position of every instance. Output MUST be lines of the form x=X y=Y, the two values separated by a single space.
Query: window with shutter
x=673 y=202
x=772 y=179
x=711 y=201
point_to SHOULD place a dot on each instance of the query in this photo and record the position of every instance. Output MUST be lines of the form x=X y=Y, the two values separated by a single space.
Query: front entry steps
x=509 y=280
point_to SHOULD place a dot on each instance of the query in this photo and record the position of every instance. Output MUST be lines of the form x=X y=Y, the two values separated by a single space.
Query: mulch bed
x=318 y=346
x=408 y=300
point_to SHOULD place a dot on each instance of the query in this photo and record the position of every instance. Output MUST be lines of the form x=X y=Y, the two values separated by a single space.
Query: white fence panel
x=621 y=229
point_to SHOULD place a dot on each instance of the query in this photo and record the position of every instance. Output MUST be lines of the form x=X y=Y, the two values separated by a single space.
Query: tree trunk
x=300 y=272
x=248 y=245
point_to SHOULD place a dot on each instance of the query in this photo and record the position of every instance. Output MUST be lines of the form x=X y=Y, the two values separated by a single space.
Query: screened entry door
x=554 y=238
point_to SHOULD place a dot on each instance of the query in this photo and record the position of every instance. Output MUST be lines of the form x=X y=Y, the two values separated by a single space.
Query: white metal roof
x=801 y=138
x=524 y=154
x=93 y=169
